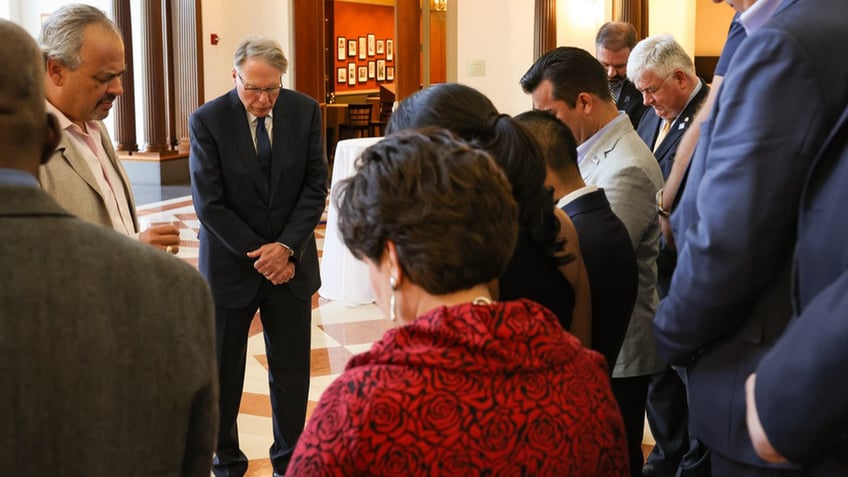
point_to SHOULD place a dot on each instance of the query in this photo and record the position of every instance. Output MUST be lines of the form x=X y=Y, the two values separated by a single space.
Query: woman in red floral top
x=464 y=386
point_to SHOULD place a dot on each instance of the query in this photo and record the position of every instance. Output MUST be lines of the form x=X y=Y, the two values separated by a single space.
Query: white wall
x=494 y=48
x=676 y=18
x=578 y=22
x=234 y=20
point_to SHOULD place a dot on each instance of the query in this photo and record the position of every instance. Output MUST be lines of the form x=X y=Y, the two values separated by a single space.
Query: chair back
x=359 y=114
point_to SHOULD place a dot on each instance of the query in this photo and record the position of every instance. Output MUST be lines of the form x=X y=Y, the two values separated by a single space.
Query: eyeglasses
x=253 y=90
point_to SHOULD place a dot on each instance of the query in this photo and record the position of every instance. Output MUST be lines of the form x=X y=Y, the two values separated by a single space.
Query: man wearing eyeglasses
x=259 y=184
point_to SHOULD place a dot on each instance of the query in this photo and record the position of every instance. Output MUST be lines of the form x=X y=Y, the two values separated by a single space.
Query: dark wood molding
x=545 y=28
x=125 y=134
x=407 y=47
x=309 y=52
x=634 y=12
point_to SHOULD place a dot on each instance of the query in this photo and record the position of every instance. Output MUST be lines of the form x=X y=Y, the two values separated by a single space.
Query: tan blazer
x=69 y=180
x=107 y=358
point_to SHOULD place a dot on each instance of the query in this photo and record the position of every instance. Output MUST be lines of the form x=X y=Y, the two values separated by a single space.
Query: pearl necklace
x=481 y=300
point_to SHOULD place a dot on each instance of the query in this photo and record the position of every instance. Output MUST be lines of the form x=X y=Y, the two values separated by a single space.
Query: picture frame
x=372 y=39
x=381 y=47
x=363 y=47
x=342 y=54
x=381 y=70
x=372 y=69
x=390 y=50
x=390 y=73
x=363 y=74
x=351 y=48
x=342 y=75
x=351 y=74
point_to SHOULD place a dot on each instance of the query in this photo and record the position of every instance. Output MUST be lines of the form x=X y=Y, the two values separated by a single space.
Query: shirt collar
x=587 y=145
x=758 y=14
x=571 y=196
x=66 y=124
x=17 y=177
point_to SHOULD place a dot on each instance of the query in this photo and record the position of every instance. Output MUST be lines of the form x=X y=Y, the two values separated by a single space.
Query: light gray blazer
x=69 y=180
x=622 y=164
x=107 y=358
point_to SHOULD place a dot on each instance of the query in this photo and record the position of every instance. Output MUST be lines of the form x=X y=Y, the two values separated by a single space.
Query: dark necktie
x=263 y=148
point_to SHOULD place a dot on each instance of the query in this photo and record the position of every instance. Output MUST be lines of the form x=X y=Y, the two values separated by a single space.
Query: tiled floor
x=338 y=333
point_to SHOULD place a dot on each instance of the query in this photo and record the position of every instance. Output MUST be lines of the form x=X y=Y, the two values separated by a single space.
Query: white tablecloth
x=343 y=277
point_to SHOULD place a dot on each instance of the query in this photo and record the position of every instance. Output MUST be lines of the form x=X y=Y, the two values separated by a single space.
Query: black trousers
x=631 y=393
x=286 y=324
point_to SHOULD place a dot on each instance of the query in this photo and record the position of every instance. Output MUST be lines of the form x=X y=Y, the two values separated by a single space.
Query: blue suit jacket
x=237 y=208
x=729 y=297
x=630 y=101
x=611 y=265
x=804 y=371
x=650 y=124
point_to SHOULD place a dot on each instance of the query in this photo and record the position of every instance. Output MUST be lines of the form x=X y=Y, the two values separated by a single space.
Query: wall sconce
x=440 y=5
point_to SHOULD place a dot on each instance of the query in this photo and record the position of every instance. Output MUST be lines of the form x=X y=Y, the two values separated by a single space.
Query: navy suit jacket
x=804 y=371
x=649 y=127
x=611 y=265
x=237 y=208
x=729 y=298
x=630 y=101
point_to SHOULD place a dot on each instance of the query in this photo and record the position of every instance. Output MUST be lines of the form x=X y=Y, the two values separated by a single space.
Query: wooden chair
x=378 y=128
x=358 y=122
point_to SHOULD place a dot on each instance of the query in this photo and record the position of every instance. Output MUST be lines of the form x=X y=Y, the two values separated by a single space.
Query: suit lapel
x=281 y=143
x=119 y=168
x=243 y=138
x=68 y=150
x=681 y=124
x=595 y=156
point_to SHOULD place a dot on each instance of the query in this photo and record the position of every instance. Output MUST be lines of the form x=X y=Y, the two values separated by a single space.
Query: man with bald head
x=84 y=61
x=107 y=360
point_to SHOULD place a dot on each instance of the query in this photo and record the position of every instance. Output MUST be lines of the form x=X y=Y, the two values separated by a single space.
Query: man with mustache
x=613 y=44
x=84 y=62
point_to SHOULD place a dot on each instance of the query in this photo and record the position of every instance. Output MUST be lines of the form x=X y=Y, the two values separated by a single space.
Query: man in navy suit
x=613 y=44
x=803 y=372
x=665 y=76
x=607 y=252
x=259 y=184
x=729 y=300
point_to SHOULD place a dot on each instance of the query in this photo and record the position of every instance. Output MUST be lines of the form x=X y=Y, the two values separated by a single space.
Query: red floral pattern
x=496 y=390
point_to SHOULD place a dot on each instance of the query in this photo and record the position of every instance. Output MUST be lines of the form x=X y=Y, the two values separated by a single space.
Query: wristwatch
x=660 y=209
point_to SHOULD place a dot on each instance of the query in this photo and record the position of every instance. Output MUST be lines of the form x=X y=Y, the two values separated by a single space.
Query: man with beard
x=84 y=62
x=613 y=44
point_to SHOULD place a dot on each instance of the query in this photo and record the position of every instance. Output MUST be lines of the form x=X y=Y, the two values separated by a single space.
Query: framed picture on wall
x=363 y=48
x=342 y=49
x=390 y=73
x=381 y=70
x=342 y=75
x=371 y=44
x=363 y=74
x=381 y=47
x=372 y=70
x=390 y=50
x=351 y=74
x=351 y=48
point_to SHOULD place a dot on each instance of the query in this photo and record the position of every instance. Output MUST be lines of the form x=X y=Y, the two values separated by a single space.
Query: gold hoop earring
x=392 y=303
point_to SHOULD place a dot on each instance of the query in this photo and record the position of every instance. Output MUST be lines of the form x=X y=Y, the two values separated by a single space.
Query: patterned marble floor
x=338 y=332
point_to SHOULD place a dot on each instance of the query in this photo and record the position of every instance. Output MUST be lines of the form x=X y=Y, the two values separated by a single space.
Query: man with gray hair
x=259 y=184
x=613 y=44
x=84 y=61
x=665 y=76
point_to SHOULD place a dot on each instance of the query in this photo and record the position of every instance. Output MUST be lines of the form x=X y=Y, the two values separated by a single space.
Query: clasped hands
x=272 y=261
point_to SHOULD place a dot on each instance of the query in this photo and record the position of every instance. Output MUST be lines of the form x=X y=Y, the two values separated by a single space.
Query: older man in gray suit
x=572 y=85
x=107 y=360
